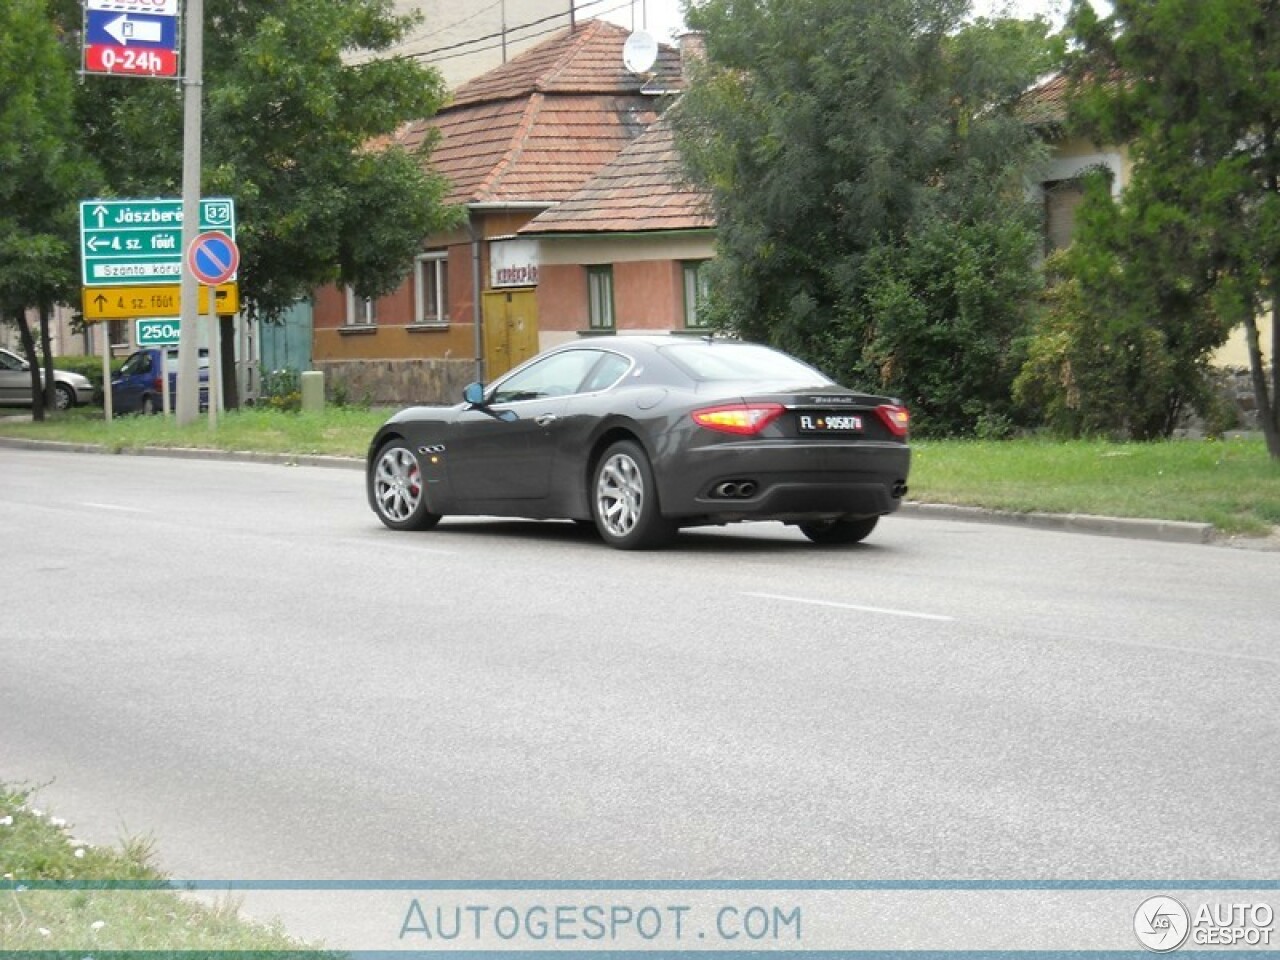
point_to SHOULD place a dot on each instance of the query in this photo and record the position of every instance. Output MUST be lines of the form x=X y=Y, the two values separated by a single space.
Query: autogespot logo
x=1162 y=924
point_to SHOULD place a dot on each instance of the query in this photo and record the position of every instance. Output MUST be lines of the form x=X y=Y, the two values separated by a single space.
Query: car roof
x=644 y=343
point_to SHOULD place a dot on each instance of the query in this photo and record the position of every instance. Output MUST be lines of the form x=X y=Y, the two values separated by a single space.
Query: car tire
x=624 y=500
x=834 y=532
x=397 y=491
x=149 y=406
x=64 y=398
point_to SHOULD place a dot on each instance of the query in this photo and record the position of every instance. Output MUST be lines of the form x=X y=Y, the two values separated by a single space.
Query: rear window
x=721 y=361
x=171 y=360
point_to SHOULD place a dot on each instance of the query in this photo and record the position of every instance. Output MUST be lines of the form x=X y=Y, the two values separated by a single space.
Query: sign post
x=163 y=334
x=106 y=374
x=188 y=407
x=213 y=258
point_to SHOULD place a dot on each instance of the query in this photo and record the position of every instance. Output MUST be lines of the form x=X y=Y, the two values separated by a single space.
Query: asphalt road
x=238 y=660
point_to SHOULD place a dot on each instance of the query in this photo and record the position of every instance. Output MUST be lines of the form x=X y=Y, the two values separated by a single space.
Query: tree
x=41 y=176
x=868 y=175
x=1193 y=246
x=295 y=110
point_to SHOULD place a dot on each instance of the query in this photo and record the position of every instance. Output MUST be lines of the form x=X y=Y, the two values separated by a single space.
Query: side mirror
x=473 y=393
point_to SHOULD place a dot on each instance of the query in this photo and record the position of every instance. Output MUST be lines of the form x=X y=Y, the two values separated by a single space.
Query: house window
x=600 y=298
x=431 y=288
x=361 y=311
x=1061 y=199
x=695 y=293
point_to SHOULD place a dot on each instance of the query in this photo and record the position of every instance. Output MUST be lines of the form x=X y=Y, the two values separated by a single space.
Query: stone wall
x=1234 y=386
x=396 y=383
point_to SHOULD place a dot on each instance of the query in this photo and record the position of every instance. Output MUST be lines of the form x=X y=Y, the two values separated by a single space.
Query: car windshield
x=722 y=361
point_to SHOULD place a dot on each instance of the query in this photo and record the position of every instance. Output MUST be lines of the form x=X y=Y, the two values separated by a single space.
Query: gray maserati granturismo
x=642 y=435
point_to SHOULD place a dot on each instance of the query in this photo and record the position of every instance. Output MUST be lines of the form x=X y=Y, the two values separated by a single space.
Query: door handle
x=546 y=419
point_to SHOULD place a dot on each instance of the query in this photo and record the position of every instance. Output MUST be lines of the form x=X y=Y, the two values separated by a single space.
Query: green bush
x=1099 y=366
x=282 y=390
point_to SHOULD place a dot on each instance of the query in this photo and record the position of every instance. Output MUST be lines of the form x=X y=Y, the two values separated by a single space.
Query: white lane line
x=851 y=606
x=113 y=506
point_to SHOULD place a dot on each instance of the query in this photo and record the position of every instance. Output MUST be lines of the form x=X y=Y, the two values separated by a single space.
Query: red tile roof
x=586 y=59
x=1046 y=103
x=642 y=190
x=538 y=127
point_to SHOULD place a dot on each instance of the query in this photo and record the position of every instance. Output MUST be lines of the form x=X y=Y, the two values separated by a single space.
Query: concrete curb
x=1168 y=531
x=191 y=453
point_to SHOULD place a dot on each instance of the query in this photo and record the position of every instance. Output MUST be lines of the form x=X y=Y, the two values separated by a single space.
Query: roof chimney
x=693 y=48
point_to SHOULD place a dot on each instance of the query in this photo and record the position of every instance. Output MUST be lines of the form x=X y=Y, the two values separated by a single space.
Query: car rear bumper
x=785 y=481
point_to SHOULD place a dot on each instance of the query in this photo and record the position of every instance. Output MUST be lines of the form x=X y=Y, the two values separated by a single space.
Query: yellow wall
x=1235 y=353
x=1070 y=154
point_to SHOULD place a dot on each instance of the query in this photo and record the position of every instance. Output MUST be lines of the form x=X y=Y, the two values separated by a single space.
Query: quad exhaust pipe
x=735 y=489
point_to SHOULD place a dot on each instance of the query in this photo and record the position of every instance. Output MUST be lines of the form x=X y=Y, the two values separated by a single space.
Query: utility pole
x=192 y=118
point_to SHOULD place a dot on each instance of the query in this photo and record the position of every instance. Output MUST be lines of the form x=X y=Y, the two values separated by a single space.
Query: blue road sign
x=213 y=258
x=131 y=30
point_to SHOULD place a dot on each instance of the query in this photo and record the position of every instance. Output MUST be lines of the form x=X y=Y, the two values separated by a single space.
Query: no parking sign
x=213 y=258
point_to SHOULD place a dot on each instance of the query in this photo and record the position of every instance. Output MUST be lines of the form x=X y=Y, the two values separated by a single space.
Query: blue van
x=137 y=388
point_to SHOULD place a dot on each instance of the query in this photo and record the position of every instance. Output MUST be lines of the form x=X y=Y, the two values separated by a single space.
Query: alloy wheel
x=397 y=484
x=620 y=494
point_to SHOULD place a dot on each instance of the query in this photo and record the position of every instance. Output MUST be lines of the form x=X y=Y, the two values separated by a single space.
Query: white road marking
x=113 y=506
x=851 y=606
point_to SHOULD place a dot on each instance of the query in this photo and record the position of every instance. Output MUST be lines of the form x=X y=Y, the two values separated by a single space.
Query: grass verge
x=61 y=897
x=1231 y=483
x=338 y=431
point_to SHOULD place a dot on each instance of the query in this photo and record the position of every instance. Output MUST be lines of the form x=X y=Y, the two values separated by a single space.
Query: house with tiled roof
x=513 y=143
x=626 y=252
x=1060 y=189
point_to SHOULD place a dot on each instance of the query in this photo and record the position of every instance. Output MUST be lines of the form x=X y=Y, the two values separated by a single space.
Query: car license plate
x=830 y=423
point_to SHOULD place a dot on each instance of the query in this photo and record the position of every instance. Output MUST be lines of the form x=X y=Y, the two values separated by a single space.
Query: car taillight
x=742 y=418
x=157 y=384
x=896 y=418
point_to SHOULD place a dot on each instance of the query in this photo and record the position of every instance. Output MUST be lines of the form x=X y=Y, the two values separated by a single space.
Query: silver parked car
x=69 y=388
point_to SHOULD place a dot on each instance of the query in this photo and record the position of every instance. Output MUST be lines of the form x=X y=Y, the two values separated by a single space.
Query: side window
x=606 y=373
x=556 y=376
x=137 y=363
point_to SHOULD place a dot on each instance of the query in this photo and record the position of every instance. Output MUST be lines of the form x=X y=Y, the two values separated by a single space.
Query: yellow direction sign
x=127 y=303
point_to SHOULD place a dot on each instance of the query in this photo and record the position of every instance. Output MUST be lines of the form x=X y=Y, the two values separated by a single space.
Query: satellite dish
x=639 y=52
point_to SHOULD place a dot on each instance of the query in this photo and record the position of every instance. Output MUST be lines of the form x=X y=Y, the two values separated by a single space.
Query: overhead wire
x=453 y=50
